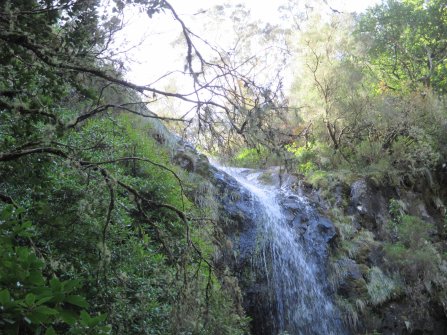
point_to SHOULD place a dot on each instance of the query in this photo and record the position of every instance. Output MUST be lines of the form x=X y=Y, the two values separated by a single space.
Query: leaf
x=43 y=300
x=36 y=316
x=35 y=277
x=92 y=321
x=85 y=318
x=30 y=299
x=5 y=297
x=101 y=318
x=58 y=297
x=50 y=331
x=70 y=285
x=46 y=310
x=55 y=284
x=42 y=292
x=77 y=300
x=6 y=213
x=68 y=316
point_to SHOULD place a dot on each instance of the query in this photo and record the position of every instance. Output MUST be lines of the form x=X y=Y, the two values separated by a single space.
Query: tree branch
x=8 y=200
x=9 y=156
x=122 y=159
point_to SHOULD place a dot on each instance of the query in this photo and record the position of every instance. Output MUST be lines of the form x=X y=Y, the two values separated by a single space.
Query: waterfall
x=299 y=299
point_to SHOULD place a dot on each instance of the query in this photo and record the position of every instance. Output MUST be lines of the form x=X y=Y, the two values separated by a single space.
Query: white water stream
x=299 y=301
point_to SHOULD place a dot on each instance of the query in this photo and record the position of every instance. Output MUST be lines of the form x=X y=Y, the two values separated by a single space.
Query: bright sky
x=155 y=55
x=352 y=5
x=268 y=8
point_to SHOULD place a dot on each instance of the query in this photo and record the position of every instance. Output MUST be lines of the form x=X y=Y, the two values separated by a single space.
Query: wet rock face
x=239 y=212
x=237 y=222
x=238 y=225
x=316 y=231
x=237 y=205
x=368 y=206
x=187 y=157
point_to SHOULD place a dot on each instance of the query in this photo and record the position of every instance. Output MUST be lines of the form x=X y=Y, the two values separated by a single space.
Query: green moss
x=359 y=246
x=319 y=179
x=395 y=251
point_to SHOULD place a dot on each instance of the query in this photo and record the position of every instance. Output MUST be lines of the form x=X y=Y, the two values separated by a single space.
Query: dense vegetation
x=367 y=97
x=367 y=110
x=101 y=233
x=97 y=235
x=368 y=101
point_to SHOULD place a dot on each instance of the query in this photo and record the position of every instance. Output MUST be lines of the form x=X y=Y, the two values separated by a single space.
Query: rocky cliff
x=384 y=247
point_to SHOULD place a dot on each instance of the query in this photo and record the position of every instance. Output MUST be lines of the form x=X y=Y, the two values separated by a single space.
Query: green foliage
x=130 y=268
x=305 y=157
x=374 y=106
x=374 y=121
x=319 y=179
x=349 y=312
x=251 y=157
x=102 y=243
x=31 y=300
x=371 y=160
x=396 y=210
x=412 y=231
x=359 y=246
x=406 y=42
x=413 y=254
x=415 y=265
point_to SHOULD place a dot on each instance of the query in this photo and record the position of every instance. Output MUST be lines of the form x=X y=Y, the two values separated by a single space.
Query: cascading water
x=299 y=303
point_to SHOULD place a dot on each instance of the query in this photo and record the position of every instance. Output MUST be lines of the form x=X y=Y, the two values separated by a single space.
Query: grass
x=381 y=288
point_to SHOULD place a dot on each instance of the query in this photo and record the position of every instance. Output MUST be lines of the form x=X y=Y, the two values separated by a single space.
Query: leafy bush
x=304 y=156
x=413 y=253
x=319 y=179
x=413 y=232
x=136 y=267
x=31 y=300
x=252 y=157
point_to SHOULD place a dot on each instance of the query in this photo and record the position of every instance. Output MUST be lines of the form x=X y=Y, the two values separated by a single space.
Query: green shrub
x=413 y=232
x=31 y=300
x=359 y=245
x=415 y=152
x=313 y=157
x=349 y=312
x=304 y=157
x=416 y=264
x=319 y=179
x=136 y=268
x=396 y=252
x=252 y=157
